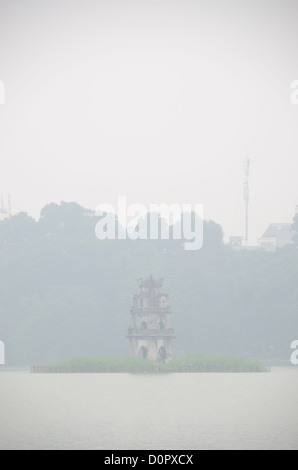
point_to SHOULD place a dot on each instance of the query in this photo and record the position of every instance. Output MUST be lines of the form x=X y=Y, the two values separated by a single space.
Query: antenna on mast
x=9 y=205
x=246 y=168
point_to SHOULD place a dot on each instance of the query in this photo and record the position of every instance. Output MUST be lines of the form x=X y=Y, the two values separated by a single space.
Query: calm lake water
x=121 y=411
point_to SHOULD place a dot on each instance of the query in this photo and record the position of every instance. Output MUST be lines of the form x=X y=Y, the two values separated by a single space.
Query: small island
x=197 y=363
x=151 y=339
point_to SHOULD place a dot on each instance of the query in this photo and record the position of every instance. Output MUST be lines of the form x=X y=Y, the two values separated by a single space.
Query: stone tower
x=151 y=335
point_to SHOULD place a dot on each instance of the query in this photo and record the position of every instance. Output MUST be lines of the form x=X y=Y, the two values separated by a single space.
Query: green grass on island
x=190 y=364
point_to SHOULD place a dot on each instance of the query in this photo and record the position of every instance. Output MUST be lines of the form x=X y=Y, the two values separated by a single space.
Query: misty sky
x=156 y=100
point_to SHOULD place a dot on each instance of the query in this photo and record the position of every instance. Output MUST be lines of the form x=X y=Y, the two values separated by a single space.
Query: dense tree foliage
x=66 y=294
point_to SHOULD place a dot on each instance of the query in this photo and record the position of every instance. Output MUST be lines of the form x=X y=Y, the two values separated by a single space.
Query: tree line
x=66 y=294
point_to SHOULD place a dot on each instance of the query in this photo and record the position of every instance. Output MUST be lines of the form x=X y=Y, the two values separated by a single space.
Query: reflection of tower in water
x=151 y=335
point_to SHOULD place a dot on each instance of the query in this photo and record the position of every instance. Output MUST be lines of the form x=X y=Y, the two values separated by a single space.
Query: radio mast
x=9 y=205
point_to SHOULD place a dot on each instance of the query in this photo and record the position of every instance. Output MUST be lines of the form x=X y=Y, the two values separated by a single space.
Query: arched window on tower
x=161 y=325
x=144 y=326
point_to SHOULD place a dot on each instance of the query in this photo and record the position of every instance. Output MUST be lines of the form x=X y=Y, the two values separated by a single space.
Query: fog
x=156 y=100
x=125 y=130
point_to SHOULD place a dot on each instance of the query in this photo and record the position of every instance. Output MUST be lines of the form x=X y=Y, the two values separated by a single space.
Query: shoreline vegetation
x=191 y=364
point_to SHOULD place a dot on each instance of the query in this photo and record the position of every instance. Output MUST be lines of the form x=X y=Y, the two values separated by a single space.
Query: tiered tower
x=151 y=335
